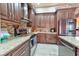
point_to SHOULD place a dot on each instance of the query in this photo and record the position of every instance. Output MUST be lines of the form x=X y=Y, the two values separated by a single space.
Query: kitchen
x=39 y=29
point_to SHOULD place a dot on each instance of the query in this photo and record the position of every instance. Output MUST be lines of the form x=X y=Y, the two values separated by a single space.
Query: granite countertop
x=45 y=32
x=9 y=45
x=71 y=39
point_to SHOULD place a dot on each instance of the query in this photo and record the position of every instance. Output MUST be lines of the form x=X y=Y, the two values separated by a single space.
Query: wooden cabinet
x=46 y=38
x=77 y=52
x=41 y=38
x=22 y=50
x=0 y=9
x=67 y=13
x=45 y=21
x=11 y=11
x=4 y=9
x=17 y=12
x=51 y=38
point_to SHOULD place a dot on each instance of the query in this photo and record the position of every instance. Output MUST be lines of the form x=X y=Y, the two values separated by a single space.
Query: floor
x=46 y=50
x=51 y=50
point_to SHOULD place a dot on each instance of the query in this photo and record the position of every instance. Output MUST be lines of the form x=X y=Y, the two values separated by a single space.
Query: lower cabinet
x=77 y=52
x=51 y=38
x=46 y=38
x=22 y=50
x=41 y=38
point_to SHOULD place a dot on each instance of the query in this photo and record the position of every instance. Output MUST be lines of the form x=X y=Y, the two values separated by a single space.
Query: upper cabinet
x=67 y=13
x=11 y=11
x=4 y=9
x=18 y=11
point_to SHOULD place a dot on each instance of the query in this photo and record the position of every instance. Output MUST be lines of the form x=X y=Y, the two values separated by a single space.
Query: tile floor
x=46 y=50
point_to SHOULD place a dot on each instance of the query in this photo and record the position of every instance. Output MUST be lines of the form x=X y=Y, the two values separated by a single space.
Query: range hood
x=25 y=13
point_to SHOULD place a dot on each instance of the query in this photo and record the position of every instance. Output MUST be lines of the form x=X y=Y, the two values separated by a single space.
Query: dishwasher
x=66 y=49
x=33 y=44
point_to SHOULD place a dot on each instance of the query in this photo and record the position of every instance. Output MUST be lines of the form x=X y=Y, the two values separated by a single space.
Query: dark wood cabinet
x=44 y=21
x=41 y=38
x=4 y=9
x=11 y=11
x=46 y=38
x=0 y=8
x=67 y=13
x=51 y=38
x=17 y=13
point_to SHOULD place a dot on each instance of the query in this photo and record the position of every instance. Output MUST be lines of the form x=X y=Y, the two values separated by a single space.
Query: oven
x=66 y=49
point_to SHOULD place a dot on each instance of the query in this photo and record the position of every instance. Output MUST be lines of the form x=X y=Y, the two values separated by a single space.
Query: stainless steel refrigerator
x=67 y=27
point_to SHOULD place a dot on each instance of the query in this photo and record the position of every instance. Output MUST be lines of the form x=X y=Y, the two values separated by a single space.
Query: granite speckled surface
x=71 y=39
x=8 y=46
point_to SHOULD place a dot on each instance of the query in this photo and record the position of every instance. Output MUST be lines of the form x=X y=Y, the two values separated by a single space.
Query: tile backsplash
x=7 y=27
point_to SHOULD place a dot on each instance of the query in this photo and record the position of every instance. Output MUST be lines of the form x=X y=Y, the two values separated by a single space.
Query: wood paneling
x=51 y=38
x=77 y=12
x=77 y=51
x=45 y=21
x=41 y=38
x=10 y=11
x=10 y=15
x=64 y=14
x=46 y=38
x=4 y=8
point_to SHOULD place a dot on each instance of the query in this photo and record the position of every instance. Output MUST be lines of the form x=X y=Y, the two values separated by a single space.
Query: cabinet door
x=17 y=12
x=41 y=38
x=11 y=11
x=4 y=10
x=0 y=8
x=37 y=21
x=16 y=15
x=52 y=21
x=51 y=38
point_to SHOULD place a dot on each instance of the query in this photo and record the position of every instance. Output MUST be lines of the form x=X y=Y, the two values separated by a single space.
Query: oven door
x=66 y=49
